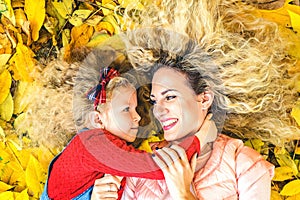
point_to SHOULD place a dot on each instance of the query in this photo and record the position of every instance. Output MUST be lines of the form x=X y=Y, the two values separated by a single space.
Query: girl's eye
x=126 y=109
x=170 y=97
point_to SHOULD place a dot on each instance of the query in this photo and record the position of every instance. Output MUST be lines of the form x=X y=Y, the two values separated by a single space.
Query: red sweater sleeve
x=93 y=153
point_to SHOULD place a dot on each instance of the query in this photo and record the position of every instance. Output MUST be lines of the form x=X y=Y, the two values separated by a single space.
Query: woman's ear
x=95 y=120
x=205 y=98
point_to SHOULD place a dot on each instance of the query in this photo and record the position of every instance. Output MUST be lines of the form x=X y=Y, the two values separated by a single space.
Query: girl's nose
x=136 y=117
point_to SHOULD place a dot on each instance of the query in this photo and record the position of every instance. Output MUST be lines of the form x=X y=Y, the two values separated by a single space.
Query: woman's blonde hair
x=230 y=49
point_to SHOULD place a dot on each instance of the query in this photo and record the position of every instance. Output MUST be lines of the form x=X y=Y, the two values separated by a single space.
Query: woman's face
x=177 y=107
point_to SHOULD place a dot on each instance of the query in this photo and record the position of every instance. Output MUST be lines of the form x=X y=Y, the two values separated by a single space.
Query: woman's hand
x=178 y=172
x=106 y=188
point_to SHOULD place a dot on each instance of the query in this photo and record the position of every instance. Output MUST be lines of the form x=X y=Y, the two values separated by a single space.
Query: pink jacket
x=233 y=171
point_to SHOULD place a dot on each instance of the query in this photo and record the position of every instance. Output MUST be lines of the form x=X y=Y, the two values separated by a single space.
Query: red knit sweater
x=93 y=153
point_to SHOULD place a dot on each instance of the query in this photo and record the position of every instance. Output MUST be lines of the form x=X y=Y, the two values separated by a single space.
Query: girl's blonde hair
x=89 y=76
x=230 y=48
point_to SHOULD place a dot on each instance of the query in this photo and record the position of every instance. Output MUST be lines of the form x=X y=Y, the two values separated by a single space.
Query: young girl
x=106 y=114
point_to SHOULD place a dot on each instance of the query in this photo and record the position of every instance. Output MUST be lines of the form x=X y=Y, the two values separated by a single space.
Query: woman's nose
x=159 y=110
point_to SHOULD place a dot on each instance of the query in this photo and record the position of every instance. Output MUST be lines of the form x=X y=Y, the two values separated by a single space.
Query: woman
x=185 y=88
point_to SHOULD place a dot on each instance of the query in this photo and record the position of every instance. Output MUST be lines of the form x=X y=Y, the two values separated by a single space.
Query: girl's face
x=120 y=117
x=180 y=111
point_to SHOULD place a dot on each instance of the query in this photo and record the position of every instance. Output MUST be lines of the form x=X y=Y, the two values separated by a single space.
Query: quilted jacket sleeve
x=254 y=175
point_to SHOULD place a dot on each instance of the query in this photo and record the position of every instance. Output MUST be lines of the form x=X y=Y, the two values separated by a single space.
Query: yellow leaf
x=7 y=11
x=3 y=59
x=34 y=175
x=18 y=124
x=35 y=11
x=284 y=159
x=105 y=26
x=297 y=150
x=255 y=144
x=79 y=16
x=66 y=36
x=98 y=39
x=291 y=188
x=294 y=197
x=22 y=96
x=20 y=17
x=4 y=186
x=296 y=112
x=7 y=108
x=283 y=173
x=5 y=83
x=295 y=20
x=23 y=63
x=133 y=3
x=108 y=7
x=64 y=7
x=112 y=20
x=21 y=155
x=44 y=156
x=22 y=196
x=275 y=195
x=7 y=195
x=2 y=134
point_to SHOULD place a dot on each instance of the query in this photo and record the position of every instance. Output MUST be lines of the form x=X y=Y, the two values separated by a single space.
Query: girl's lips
x=168 y=124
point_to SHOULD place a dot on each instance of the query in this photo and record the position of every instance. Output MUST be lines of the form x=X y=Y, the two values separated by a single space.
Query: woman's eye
x=126 y=109
x=170 y=97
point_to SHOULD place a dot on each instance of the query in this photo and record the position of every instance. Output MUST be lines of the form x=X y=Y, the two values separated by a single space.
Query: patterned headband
x=98 y=94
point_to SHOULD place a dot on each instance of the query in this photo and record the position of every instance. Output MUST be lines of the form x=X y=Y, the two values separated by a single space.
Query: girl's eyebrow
x=164 y=92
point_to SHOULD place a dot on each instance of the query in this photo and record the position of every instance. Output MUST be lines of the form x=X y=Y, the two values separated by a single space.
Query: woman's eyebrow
x=164 y=92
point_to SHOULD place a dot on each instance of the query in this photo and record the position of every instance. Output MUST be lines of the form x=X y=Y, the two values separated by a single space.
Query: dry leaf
x=79 y=16
x=283 y=173
x=34 y=173
x=296 y=112
x=7 y=108
x=255 y=144
x=291 y=188
x=275 y=195
x=22 y=96
x=22 y=196
x=107 y=26
x=35 y=11
x=20 y=17
x=4 y=186
x=284 y=159
x=7 y=11
x=64 y=7
x=23 y=64
x=295 y=20
x=112 y=20
x=2 y=134
x=5 y=82
x=7 y=195
x=3 y=59
x=98 y=39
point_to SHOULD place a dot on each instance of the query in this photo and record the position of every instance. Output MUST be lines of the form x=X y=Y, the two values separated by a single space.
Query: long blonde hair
x=255 y=86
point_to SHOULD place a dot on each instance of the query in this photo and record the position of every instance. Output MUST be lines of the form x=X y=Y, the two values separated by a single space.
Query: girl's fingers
x=194 y=162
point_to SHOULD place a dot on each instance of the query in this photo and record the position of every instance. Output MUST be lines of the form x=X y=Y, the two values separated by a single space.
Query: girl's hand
x=106 y=188
x=178 y=172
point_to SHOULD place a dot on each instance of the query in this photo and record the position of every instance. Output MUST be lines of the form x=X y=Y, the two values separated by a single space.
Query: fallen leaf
x=4 y=186
x=275 y=195
x=22 y=196
x=284 y=159
x=7 y=11
x=3 y=59
x=254 y=144
x=79 y=16
x=5 y=82
x=35 y=11
x=22 y=96
x=63 y=7
x=295 y=20
x=283 y=173
x=107 y=26
x=296 y=112
x=34 y=174
x=291 y=188
x=8 y=195
x=98 y=39
x=7 y=108
x=23 y=64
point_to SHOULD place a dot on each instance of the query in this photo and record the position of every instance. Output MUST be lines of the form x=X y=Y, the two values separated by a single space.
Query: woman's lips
x=168 y=124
